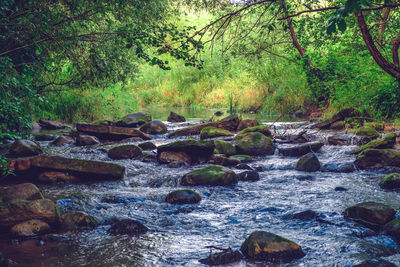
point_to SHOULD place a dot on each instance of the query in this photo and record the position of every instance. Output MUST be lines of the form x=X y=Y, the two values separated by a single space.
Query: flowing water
x=225 y=216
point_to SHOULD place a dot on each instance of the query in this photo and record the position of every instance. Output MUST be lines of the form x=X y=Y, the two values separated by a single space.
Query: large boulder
x=30 y=228
x=125 y=152
x=167 y=157
x=220 y=159
x=259 y=129
x=134 y=120
x=51 y=125
x=154 y=127
x=266 y=246
x=367 y=133
x=393 y=228
x=210 y=175
x=26 y=191
x=377 y=158
x=300 y=150
x=111 y=132
x=370 y=214
x=174 y=117
x=15 y=212
x=185 y=196
x=229 y=123
x=246 y=124
x=387 y=142
x=223 y=147
x=86 y=140
x=211 y=132
x=77 y=220
x=190 y=146
x=308 y=163
x=127 y=227
x=24 y=148
x=254 y=143
x=63 y=140
x=391 y=181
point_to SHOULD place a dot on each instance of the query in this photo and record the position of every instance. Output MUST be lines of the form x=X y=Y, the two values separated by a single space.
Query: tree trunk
x=382 y=25
x=395 y=51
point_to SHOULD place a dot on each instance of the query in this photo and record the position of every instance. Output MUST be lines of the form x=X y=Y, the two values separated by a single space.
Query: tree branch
x=395 y=51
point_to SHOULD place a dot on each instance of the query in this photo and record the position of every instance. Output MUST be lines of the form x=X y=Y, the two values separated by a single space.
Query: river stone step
x=386 y=142
x=111 y=132
x=300 y=150
x=79 y=167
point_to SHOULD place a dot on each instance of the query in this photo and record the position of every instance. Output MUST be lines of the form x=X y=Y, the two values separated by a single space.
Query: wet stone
x=26 y=191
x=63 y=140
x=174 y=117
x=306 y=215
x=210 y=175
x=24 y=148
x=222 y=258
x=147 y=146
x=308 y=163
x=30 y=228
x=125 y=152
x=340 y=189
x=249 y=176
x=300 y=150
x=86 y=140
x=77 y=220
x=127 y=227
x=45 y=137
x=370 y=214
x=243 y=166
x=185 y=196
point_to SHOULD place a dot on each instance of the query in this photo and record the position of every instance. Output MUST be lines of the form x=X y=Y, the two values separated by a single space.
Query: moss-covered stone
x=26 y=191
x=221 y=159
x=211 y=132
x=189 y=146
x=167 y=157
x=367 y=131
x=24 y=148
x=223 y=147
x=386 y=142
x=377 y=158
x=77 y=220
x=260 y=129
x=210 y=175
x=154 y=127
x=254 y=143
x=391 y=181
x=134 y=120
x=308 y=163
x=339 y=125
x=125 y=152
x=393 y=228
x=370 y=214
x=242 y=158
x=185 y=196
x=246 y=124
x=379 y=126
x=262 y=245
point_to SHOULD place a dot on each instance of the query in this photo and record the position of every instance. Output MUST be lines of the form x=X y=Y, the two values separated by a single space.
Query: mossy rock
x=379 y=126
x=25 y=191
x=224 y=147
x=78 y=220
x=339 y=125
x=127 y=227
x=393 y=228
x=308 y=163
x=377 y=158
x=242 y=158
x=185 y=196
x=260 y=129
x=154 y=127
x=367 y=131
x=267 y=246
x=211 y=175
x=370 y=214
x=134 y=120
x=211 y=132
x=189 y=146
x=386 y=142
x=220 y=159
x=391 y=181
x=24 y=148
x=254 y=143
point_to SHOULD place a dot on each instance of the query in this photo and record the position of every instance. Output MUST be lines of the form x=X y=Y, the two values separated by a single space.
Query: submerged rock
x=375 y=263
x=125 y=152
x=338 y=167
x=210 y=175
x=185 y=196
x=63 y=140
x=242 y=158
x=308 y=163
x=154 y=127
x=30 y=228
x=254 y=143
x=243 y=124
x=26 y=191
x=134 y=120
x=377 y=158
x=127 y=227
x=222 y=160
x=300 y=150
x=266 y=246
x=391 y=181
x=387 y=142
x=77 y=220
x=370 y=214
x=211 y=132
x=24 y=148
x=224 y=147
x=304 y=215
x=249 y=176
x=222 y=258
x=367 y=134
x=174 y=117
x=86 y=140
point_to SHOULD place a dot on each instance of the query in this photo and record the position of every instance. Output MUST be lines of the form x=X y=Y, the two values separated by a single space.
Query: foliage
x=386 y=101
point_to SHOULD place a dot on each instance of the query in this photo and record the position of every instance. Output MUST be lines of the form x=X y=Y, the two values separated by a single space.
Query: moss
x=210 y=175
x=255 y=143
x=391 y=181
x=260 y=129
x=386 y=142
x=210 y=132
x=367 y=131
x=377 y=157
x=223 y=147
x=379 y=126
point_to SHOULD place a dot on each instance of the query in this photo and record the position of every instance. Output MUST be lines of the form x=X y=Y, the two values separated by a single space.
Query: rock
x=256 y=129
x=224 y=147
x=7 y=262
x=176 y=164
x=127 y=227
x=173 y=117
x=149 y=157
x=244 y=166
x=192 y=147
x=242 y=158
x=34 y=125
x=24 y=148
x=247 y=124
x=304 y=177
x=300 y=150
x=367 y=133
x=254 y=143
x=147 y=146
x=51 y=125
x=86 y=140
x=111 y=132
x=379 y=126
x=125 y=152
x=377 y=158
x=393 y=228
x=341 y=115
x=134 y=120
x=222 y=160
x=16 y=212
x=210 y=175
x=77 y=220
x=211 y=132
x=387 y=142
x=338 y=167
x=56 y=238
x=185 y=196
x=26 y=191
x=30 y=228
x=260 y=168
x=262 y=245
x=391 y=181
x=339 y=140
x=222 y=258
x=154 y=127
x=249 y=176
x=45 y=137
x=375 y=263
x=306 y=215
x=370 y=214
x=167 y=157
x=103 y=122
x=56 y=177
x=339 y=125
x=308 y=163
x=229 y=123
x=340 y=189
x=63 y=140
